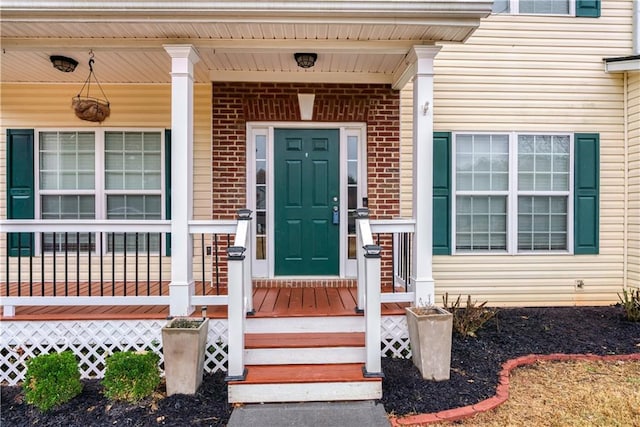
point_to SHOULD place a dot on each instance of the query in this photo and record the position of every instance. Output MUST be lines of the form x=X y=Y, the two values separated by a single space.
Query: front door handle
x=335 y=215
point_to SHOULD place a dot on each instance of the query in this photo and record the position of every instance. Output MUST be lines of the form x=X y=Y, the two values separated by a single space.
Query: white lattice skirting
x=93 y=340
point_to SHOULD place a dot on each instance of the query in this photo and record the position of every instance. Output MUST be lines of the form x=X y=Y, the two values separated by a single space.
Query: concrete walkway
x=312 y=414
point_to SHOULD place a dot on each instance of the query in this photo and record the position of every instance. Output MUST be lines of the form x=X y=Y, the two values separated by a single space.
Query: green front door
x=307 y=176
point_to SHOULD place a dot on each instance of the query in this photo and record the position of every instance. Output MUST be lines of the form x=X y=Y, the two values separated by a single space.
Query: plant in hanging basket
x=87 y=107
x=91 y=109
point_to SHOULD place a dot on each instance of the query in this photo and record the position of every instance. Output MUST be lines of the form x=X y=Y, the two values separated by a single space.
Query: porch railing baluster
x=148 y=263
x=78 y=263
x=124 y=264
x=160 y=263
x=19 y=264
x=66 y=264
x=6 y=262
x=113 y=264
x=30 y=264
x=89 y=263
x=202 y=251
x=215 y=245
x=101 y=251
x=136 y=263
x=55 y=284
x=42 y=263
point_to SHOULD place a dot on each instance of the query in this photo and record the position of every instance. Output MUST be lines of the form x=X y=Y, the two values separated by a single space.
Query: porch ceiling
x=356 y=41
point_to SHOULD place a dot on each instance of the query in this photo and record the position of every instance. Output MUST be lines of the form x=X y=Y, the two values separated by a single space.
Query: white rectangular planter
x=183 y=350
x=430 y=331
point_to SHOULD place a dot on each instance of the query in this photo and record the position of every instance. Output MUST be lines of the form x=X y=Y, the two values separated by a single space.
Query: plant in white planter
x=184 y=342
x=430 y=332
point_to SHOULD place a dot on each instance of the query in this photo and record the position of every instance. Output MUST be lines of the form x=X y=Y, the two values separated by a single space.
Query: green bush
x=469 y=319
x=131 y=376
x=51 y=380
x=630 y=301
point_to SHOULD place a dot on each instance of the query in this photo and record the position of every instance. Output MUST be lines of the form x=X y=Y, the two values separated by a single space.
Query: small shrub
x=468 y=320
x=630 y=301
x=131 y=376
x=51 y=380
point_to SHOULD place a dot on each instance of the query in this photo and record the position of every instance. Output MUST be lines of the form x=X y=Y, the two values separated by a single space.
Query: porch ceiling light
x=63 y=63
x=305 y=60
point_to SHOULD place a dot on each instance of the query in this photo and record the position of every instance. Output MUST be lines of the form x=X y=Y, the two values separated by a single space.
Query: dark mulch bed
x=475 y=366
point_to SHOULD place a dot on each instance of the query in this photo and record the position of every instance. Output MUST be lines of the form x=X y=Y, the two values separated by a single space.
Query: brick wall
x=236 y=103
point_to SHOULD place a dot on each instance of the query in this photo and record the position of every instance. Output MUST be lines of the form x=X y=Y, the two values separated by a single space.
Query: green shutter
x=442 y=193
x=20 y=186
x=586 y=193
x=588 y=8
x=167 y=184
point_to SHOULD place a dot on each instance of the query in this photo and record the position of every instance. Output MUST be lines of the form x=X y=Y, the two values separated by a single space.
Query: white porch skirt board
x=93 y=340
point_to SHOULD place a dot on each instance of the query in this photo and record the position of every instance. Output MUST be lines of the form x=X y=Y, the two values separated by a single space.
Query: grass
x=568 y=394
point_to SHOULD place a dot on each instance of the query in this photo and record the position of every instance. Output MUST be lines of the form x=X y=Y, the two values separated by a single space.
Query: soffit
x=235 y=40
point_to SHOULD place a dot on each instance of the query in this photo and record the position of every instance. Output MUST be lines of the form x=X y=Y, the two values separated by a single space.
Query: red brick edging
x=502 y=390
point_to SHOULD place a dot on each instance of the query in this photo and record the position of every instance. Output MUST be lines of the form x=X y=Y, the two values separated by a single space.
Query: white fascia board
x=299 y=77
x=621 y=66
x=385 y=10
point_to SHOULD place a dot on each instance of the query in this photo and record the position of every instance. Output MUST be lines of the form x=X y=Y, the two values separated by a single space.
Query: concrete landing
x=310 y=414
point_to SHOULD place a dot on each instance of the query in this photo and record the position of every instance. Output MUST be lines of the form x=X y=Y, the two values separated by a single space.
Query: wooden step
x=306 y=340
x=301 y=349
x=297 y=383
x=325 y=324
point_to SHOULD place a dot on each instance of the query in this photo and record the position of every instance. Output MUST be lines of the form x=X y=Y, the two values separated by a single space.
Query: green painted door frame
x=307 y=192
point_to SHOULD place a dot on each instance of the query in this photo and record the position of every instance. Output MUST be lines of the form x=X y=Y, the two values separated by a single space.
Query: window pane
x=133 y=207
x=133 y=161
x=545 y=6
x=500 y=6
x=67 y=160
x=482 y=162
x=261 y=147
x=481 y=223
x=67 y=207
x=543 y=163
x=542 y=223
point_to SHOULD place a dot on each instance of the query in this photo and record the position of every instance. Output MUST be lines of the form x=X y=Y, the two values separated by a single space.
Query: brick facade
x=235 y=103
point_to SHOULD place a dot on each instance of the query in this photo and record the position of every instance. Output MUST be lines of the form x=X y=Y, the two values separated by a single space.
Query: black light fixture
x=305 y=60
x=63 y=63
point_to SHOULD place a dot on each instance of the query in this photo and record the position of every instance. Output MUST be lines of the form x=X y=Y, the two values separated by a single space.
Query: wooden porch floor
x=268 y=302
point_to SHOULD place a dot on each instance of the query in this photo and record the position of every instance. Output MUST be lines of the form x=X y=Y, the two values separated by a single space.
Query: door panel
x=307 y=177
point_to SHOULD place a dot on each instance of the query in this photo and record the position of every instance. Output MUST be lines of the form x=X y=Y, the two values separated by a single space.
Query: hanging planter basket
x=90 y=108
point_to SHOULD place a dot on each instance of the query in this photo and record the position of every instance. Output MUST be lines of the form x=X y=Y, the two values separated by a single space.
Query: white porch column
x=421 y=268
x=183 y=57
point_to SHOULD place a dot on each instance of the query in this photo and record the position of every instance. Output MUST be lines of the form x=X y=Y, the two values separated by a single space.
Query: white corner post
x=422 y=260
x=183 y=57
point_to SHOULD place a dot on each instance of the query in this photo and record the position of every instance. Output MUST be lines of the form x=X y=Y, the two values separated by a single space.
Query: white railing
x=401 y=231
x=59 y=276
x=368 y=258
x=240 y=294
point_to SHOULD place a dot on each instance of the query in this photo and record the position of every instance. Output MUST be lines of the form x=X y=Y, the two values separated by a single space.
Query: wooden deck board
x=268 y=302
x=267 y=374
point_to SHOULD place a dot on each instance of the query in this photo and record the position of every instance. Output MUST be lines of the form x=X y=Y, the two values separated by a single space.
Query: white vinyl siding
x=541 y=73
x=48 y=106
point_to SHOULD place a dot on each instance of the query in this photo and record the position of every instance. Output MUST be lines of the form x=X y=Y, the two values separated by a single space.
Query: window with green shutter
x=513 y=193
x=20 y=186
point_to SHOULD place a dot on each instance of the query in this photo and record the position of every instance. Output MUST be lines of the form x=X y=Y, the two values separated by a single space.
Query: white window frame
x=514 y=9
x=512 y=196
x=265 y=268
x=99 y=192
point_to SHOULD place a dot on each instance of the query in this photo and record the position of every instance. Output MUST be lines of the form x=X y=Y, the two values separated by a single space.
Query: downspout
x=625 y=222
x=635 y=27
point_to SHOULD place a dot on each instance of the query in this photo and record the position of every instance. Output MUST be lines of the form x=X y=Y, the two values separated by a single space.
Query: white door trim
x=265 y=268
